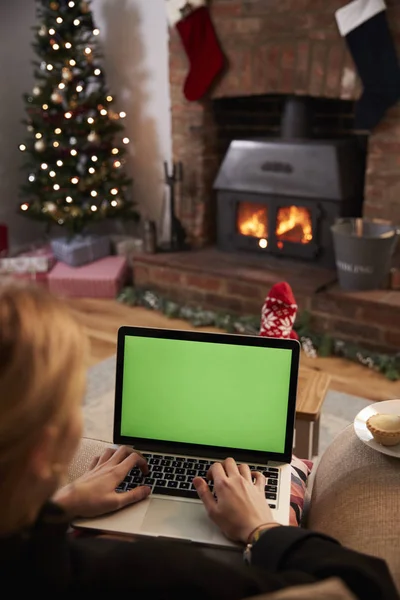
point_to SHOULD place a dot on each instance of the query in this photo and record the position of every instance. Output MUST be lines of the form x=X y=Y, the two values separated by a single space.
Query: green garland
x=314 y=344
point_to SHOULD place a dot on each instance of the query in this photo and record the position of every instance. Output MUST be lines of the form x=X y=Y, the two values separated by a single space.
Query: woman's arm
x=289 y=553
x=287 y=550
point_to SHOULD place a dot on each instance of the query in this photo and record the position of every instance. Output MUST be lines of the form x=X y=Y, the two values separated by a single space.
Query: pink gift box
x=103 y=278
x=40 y=278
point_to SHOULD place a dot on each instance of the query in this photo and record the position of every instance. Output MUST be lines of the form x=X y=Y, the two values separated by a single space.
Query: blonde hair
x=42 y=360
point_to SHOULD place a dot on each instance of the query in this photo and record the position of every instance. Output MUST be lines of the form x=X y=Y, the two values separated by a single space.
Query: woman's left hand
x=93 y=494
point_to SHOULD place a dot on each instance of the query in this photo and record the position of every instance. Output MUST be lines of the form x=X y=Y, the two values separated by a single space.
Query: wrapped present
x=45 y=253
x=37 y=260
x=127 y=246
x=81 y=249
x=103 y=278
x=35 y=277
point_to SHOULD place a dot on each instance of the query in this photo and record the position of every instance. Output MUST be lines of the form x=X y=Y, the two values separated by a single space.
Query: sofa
x=353 y=495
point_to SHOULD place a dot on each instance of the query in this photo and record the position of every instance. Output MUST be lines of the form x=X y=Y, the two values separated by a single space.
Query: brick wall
x=276 y=47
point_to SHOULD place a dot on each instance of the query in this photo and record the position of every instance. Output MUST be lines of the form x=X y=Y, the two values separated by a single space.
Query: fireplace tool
x=173 y=235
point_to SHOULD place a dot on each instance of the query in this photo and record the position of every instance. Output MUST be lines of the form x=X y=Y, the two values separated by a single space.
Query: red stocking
x=279 y=313
x=195 y=28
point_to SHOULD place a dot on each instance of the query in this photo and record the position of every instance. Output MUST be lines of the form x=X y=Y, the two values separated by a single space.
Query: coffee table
x=311 y=391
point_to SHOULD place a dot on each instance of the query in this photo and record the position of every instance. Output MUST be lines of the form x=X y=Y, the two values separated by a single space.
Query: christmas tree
x=75 y=146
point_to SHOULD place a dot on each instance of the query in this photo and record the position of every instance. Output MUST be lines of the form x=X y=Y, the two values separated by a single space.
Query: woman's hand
x=94 y=493
x=241 y=505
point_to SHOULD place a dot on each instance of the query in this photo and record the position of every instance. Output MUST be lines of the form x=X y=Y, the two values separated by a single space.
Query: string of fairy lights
x=57 y=97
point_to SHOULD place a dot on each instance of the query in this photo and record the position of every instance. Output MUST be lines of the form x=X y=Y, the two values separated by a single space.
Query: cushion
x=301 y=469
x=358 y=503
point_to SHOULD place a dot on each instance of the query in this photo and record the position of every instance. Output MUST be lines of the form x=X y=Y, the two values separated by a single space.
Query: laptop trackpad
x=182 y=520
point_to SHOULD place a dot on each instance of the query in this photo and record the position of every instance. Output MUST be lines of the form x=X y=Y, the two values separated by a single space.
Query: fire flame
x=294 y=224
x=253 y=220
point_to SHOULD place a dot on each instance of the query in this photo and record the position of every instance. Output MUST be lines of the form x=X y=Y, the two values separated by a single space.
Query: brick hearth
x=275 y=47
x=238 y=283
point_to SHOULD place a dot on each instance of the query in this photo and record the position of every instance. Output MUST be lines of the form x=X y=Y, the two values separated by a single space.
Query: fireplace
x=281 y=195
x=275 y=49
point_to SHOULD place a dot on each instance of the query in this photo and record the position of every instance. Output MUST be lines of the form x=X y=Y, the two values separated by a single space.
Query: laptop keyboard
x=173 y=476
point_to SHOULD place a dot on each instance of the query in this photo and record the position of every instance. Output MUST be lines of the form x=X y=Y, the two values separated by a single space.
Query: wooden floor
x=102 y=318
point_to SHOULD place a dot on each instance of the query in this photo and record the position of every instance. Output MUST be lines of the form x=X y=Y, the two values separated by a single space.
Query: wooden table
x=311 y=391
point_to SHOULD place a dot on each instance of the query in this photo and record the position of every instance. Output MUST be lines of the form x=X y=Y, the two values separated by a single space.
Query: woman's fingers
x=216 y=470
x=131 y=460
x=133 y=496
x=259 y=480
x=94 y=463
x=204 y=493
x=231 y=467
x=245 y=472
x=120 y=454
x=107 y=455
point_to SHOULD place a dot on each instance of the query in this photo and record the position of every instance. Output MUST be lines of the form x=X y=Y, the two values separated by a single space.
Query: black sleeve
x=286 y=550
x=283 y=557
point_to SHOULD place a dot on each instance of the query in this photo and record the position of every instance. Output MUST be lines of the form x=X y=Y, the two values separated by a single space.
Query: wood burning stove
x=280 y=196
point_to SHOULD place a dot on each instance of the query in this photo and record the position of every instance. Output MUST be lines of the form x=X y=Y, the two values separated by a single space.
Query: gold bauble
x=75 y=211
x=36 y=91
x=40 y=146
x=84 y=6
x=73 y=104
x=92 y=137
x=49 y=207
x=56 y=98
x=66 y=74
x=54 y=6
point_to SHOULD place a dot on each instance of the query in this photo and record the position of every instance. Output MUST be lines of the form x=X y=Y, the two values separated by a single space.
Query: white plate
x=387 y=407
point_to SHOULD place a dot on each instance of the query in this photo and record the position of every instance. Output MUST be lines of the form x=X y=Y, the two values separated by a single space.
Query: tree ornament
x=40 y=146
x=56 y=98
x=84 y=6
x=36 y=90
x=54 y=6
x=49 y=207
x=93 y=137
x=42 y=31
x=75 y=212
x=66 y=74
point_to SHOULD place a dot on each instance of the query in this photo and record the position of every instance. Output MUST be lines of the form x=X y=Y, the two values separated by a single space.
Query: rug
x=338 y=410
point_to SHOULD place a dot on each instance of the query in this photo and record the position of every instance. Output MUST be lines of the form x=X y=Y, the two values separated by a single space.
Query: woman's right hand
x=241 y=505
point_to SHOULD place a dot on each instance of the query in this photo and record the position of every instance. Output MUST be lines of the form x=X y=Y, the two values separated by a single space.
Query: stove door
x=259 y=223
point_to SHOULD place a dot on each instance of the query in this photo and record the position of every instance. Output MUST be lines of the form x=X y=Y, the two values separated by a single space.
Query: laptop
x=186 y=399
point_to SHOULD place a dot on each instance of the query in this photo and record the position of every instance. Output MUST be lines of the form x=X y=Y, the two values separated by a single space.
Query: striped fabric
x=301 y=470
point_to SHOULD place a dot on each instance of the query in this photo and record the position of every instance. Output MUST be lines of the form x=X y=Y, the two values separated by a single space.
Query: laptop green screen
x=205 y=393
